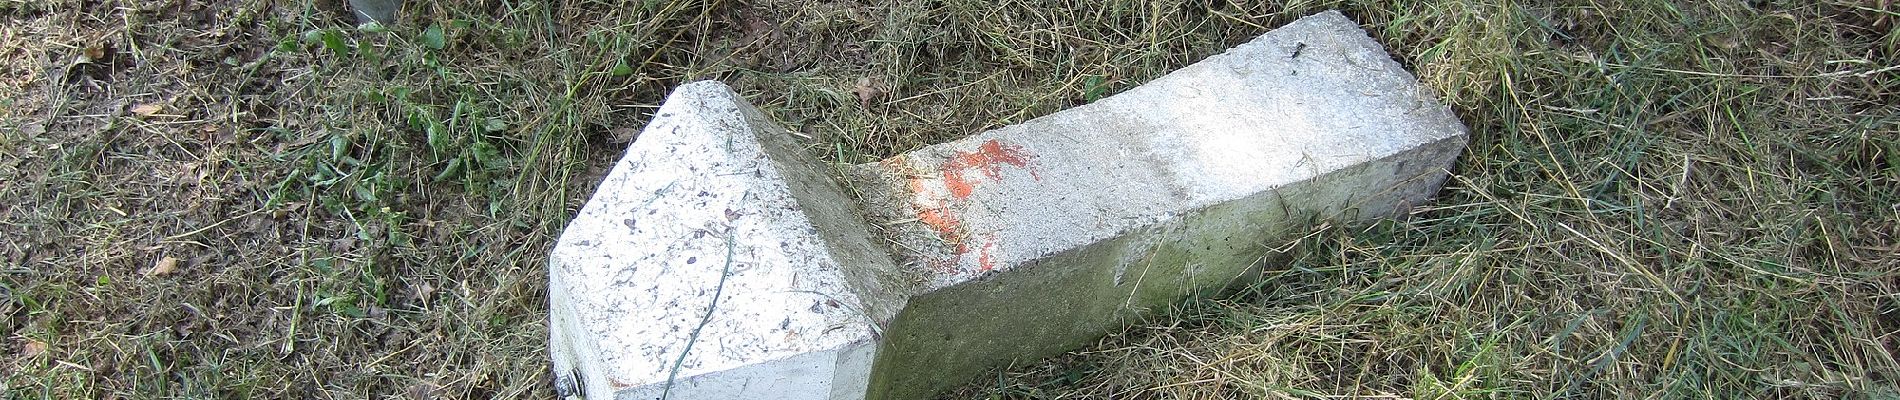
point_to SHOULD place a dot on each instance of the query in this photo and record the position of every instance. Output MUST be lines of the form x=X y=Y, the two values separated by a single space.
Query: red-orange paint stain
x=917 y=189
x=984 y=160
x=983 y=261
x=960 y=188
x=960 y=177
x=940 y=220
x=935 y=214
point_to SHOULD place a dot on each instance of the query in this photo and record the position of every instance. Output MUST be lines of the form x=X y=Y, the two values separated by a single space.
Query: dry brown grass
x=1661 y=199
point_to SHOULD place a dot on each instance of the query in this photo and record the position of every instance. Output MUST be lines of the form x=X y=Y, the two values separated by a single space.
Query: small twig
x=214 y=225
x=659 y=193
x=296 y=314
x=1878 y=71
x=77 y=366
x=723 y=273
x=1835 y=74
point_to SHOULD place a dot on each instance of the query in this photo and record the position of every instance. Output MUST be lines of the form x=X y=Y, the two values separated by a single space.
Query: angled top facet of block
x=1307 y=99
x=714 y=203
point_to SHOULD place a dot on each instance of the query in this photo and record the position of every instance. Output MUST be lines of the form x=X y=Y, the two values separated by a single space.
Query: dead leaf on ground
x=92 y=54
x=32 y=348
x=623 y=134
x=867 y=90
x=423 y=291
x=164 y=266
x=147 y=110
x=422 y=390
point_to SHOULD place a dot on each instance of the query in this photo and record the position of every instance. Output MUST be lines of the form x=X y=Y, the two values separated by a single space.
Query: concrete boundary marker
x=719 y=260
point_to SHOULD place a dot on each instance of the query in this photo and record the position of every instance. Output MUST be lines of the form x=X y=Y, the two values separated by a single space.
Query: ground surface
x=255 y=199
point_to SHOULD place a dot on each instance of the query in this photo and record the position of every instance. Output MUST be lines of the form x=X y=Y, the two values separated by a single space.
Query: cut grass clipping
x=257 y=199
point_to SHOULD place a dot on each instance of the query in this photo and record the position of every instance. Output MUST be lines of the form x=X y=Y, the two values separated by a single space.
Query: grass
x=1661 y=199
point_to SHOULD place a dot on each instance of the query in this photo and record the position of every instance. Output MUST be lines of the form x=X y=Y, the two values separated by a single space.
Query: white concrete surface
x=1237 y=124
x=1007 y=246
x=1040 y=236
x=701 y=210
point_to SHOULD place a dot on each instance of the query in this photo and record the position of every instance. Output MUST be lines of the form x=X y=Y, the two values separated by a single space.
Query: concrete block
x=1040 y=237
x=717 y=260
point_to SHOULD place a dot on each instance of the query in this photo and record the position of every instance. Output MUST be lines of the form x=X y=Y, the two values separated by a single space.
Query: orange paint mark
x=960 y=177
x=983 y=262
x=916 y=188
x=941 y=220
x=934 y=214
x=958 y=187
x=985 y=160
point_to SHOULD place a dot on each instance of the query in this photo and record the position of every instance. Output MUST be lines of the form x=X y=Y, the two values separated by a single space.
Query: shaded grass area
x=252 y=198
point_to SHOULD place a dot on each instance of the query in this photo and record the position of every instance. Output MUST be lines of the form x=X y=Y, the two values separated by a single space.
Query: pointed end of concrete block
x=698 y=269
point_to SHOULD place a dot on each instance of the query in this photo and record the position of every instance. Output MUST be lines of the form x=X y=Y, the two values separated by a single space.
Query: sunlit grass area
x=260 y=199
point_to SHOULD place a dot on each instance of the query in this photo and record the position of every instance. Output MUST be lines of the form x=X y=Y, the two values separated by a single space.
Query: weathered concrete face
x=713 y=201
x=1010 y=245
x=1039 y=237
